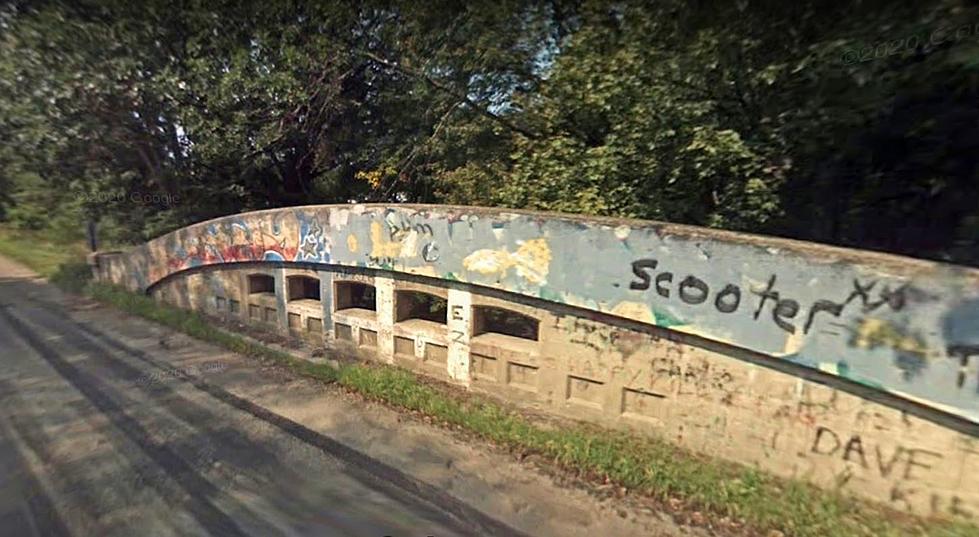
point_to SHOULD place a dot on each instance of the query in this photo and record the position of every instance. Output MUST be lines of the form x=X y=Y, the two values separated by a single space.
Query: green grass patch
x=39 y=251
x=646 y=465
x=72 y=276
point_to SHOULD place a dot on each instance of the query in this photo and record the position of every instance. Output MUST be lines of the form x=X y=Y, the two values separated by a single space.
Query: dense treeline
x=854 y=123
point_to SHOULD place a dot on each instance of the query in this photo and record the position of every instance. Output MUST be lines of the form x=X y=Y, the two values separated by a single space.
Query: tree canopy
x=854 y=123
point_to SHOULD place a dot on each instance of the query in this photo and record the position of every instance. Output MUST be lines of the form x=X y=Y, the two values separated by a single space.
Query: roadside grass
x=645 y=465
x=39 y=251
x=648 y=466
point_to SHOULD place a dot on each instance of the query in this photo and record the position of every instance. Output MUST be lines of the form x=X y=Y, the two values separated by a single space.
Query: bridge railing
x=900 y=325
x=807 y=360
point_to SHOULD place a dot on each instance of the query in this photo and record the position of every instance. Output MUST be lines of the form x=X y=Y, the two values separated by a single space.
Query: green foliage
x=765 y=116
x=73 y=276
x=632 y=130
x=746 y=116
x=42 y=251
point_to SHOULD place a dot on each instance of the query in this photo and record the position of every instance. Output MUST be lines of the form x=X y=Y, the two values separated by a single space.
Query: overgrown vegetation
x=42 y=251
x=846 y=122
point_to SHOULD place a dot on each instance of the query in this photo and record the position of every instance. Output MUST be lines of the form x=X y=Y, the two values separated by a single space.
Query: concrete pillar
x=281 y=292
x=200 y=291
x=384 y=292
x=326 y=299
x=241 y=280
x=184 y=297
x=460 y=330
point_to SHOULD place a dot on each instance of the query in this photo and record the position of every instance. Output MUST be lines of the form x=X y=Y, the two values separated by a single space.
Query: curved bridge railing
x=905 y=326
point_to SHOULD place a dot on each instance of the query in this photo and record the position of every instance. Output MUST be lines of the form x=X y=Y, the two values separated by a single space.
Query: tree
x=839 y=122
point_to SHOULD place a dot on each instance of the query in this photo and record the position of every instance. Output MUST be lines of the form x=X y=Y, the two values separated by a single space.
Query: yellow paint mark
x=873 y=333
x=829 y=367
x=532 y=260
x=793 y=343
x=409 y=244
x=352 y=243
x=634 y=310
x=488 y=261
x=380 y=246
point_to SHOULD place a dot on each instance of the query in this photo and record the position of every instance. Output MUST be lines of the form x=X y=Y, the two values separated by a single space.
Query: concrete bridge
x=839 y=366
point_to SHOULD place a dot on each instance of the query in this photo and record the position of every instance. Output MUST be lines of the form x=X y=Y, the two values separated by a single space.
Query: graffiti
x=201 y=251
x=963 y=353
x=845 y=314
x=532 y=261
x=671 y=372
x=279 y=238
x=596 y=336
x=907 y=469
x=399 y=226
x=959 y=330
x=285 y=238
x=399 y=238
x=582 y=333
x=694 y=291
x=895 y=299
x=952 y=505
x=240 y=246
x=314 y=244
x=430 y=252
x=903 y=462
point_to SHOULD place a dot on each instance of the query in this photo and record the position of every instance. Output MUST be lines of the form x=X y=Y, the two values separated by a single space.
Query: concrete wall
x=839 y=366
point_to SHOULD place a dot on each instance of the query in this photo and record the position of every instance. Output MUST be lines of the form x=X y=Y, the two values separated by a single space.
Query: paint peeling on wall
x=908 y=326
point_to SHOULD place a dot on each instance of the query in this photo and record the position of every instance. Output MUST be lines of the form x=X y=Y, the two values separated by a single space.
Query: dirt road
x=114 y=426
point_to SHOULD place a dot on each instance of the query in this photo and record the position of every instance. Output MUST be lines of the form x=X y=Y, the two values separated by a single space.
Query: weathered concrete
x=833 y=365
